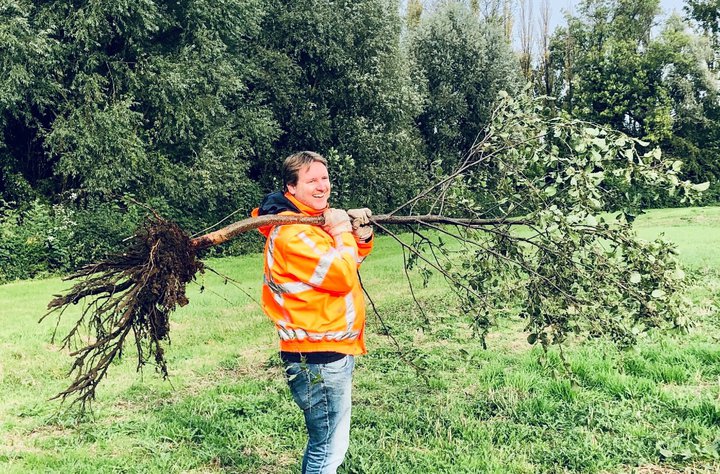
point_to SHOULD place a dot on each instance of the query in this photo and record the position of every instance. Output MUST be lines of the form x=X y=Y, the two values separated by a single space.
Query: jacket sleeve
x=364 y=249
x=310 y=257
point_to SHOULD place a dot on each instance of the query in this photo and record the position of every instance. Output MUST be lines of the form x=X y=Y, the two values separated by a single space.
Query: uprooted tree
x=519 y=224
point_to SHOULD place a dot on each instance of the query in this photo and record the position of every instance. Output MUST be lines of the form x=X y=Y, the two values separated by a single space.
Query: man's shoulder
x=290 y=233
x=277 y=203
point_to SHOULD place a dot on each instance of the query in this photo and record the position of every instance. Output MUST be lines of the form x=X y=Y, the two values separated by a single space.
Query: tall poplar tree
x=338 y=82
x=463 y=62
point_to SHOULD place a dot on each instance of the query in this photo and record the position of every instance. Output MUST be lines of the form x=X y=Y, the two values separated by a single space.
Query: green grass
x=509 y=409
x=696 y=231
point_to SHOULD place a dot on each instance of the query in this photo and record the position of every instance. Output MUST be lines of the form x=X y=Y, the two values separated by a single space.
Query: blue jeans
x=323 y=392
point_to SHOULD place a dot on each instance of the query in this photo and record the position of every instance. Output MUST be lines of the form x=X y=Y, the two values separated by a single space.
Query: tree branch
x=233 y=230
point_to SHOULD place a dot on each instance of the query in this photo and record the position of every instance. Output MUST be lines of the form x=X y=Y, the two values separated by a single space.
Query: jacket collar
x=305 y=209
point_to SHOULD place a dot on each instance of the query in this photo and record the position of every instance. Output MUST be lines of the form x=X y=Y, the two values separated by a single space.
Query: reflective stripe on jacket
x=311 y=289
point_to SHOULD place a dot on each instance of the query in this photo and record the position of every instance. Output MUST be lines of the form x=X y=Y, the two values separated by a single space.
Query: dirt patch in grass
x=249 y=363
x=15 y=444
x=692 y=391
x=277 y=463
x=254 y=363
x=655 y=469
x=23 y=442
x=514 y=342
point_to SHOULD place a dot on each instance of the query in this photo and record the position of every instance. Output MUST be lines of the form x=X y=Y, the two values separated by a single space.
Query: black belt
x=311 y=357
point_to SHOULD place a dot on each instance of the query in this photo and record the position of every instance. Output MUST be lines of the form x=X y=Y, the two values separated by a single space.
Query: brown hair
x=295 y=162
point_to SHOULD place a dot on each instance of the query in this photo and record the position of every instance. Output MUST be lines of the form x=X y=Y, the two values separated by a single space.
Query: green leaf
x=657 y=293
x=701 y=186
x=666 y=453
x=550 y=191
x=635 y=277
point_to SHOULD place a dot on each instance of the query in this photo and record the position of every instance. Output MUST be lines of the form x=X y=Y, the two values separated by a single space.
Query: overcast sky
x=558 y=7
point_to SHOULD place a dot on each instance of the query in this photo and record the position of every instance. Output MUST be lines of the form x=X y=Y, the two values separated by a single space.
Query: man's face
x=313 y=186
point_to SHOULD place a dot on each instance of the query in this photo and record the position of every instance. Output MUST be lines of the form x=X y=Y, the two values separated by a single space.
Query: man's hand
x=363 y=233
x=337 y=221
x=359 y=217
x=360 y=223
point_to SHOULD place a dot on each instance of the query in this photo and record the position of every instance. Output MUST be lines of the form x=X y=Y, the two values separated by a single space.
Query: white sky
x=558 y=7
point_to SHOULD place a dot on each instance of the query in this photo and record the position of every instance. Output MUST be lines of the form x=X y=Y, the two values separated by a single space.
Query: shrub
x=43 y=239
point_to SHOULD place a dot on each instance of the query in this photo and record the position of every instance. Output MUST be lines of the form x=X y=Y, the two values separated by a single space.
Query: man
x=312 y=292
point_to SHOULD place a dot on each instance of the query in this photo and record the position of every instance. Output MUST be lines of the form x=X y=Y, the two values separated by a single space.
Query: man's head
x=305 y=176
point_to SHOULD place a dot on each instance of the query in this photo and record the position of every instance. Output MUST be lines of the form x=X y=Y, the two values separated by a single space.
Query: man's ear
x=291 y=189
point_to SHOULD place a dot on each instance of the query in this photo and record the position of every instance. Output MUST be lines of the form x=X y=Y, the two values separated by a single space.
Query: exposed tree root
x=131 y=292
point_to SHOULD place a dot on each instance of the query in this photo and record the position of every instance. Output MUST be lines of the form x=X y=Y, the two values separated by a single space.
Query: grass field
x=509 y=409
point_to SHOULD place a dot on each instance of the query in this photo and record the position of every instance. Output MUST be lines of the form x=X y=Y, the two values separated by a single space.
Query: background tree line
x=190 y=106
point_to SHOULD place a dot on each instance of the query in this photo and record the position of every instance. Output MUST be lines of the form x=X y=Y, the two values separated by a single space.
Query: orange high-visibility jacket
x=311 y=289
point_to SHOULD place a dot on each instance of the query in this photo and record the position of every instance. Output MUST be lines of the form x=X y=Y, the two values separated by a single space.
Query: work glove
x=359 y=217
x=363 y=233
x=361 y=229
x=337 y=221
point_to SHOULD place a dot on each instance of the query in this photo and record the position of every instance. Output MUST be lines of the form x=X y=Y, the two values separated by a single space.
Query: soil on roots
x=130 y=292
x=170 y=264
